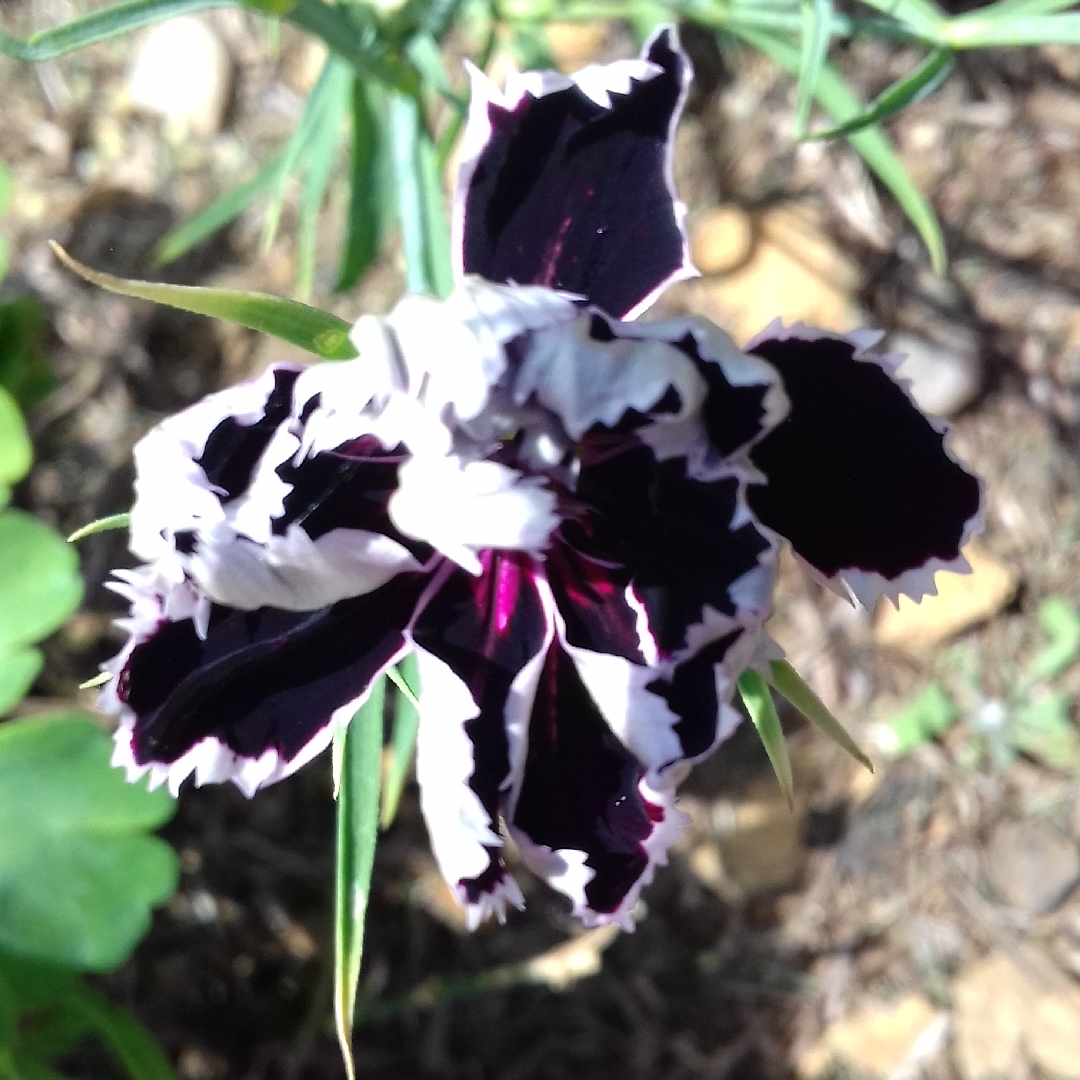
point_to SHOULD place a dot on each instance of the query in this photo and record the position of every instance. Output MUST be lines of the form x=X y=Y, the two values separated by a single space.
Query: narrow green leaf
x=217 y=215
x=877 y=151
x=29 y=1068
x=304 y=134
x=99 y=26
x=440 y=260
x=923 y=81
x=976 y=32
x=320 y=158
x=133 y=1045
x=759 y=704
x=1010 y=8
x=353 y=33
x=816 y=35
x=787 y=682
x=921 y=16
x=405 y=126
x=403 y=737
x=359 y=753
x=113 y=521
x=366 y=219
x=309 y=328
x=274 y=8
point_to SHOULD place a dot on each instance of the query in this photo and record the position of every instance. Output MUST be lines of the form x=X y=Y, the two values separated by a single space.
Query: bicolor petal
x=256 y=694
x=586 y=818
x=567 y=180
x=859 y=481
x=481 y=644
x=691 y=546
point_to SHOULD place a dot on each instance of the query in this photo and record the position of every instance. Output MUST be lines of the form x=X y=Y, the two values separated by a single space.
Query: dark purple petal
x=480 y=646
x=585 y=817
x=689 y=544
x=233 y=448
x=260 y=694
x=698 y=692
x=559 y=189
x=598 y=611
x=859 y=481
x=346 y=488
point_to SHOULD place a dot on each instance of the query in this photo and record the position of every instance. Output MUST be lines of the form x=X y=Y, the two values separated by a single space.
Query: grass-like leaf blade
x=105 y=524
x=402 y=739
x=787 y=682
x=358 y=760
x=975 y=31
x=759 y=704
x=317 y=331
x=877 y=151
x=924 y=80
x=367 y=218
x=321 y=156
x=817 y=18
x=406 y=122
x=217 y=215
x=121 y=1032
x=99 y=26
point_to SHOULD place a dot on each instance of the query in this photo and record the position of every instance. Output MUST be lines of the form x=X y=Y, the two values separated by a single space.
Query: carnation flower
x=570 y=517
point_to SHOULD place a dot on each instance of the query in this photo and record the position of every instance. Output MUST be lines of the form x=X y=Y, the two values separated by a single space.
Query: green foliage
x=357 y=765
x=319 y=332
x=45 y=1011
x=78 y=874
x=759 y=704
x=1032 y=717
x=931 y=714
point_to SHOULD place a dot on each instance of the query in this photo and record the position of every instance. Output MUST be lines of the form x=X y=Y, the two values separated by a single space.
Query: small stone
x=962 y=600
x=943 y=379
x=794 y=270
x=987 y=1008
x=1003 y=1013
x=721 y=239
x=879 y=1041
x=1032 y=866
x=183 y=73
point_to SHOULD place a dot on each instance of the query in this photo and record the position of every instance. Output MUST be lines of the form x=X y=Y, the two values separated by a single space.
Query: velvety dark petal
x=345 y=488
x=859 y=481
x=585 y=817
x=233 y=448
x=480 y=643
x=599 y=610
x=568 y=182
x=689 y=544
x=698 y=692
x=260 y=694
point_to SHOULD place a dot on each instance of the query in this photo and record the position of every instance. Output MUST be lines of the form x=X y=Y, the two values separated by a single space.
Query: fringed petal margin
x=481 y=644
x=859 y=481
x=568 y=182
x=586 y=818
x=257 y=694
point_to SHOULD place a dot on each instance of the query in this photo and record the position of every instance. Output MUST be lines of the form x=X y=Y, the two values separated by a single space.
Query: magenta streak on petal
x=656 y=813
x=550 y=265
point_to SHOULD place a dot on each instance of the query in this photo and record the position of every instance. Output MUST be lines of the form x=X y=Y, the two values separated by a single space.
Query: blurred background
x=923 y=921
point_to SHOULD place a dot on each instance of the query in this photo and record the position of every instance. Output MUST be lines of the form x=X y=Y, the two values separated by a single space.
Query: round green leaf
x=18 y=670
x=78 y=874
x=39 y=580
x=15 y=450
